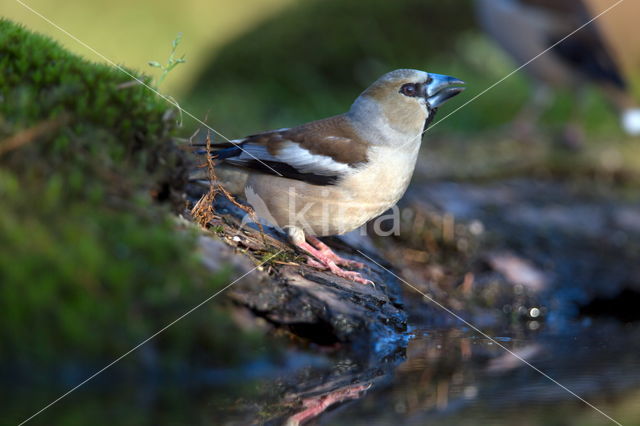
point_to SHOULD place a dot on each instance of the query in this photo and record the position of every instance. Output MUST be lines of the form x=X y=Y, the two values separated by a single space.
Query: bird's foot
x=350 y=275
x=323 y=262
x=326 y=251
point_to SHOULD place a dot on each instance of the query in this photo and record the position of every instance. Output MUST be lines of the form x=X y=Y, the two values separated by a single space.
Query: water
x=445 y=377
x=455 y=377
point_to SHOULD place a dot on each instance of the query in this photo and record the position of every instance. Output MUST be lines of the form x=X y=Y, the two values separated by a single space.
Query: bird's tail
x=219 y=151
x=229 y=177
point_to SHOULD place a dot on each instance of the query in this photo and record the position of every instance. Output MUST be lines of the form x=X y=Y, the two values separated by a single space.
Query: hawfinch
x=525 y=28
x=330 y=176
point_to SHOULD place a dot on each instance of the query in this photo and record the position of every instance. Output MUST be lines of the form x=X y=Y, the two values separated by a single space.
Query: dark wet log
x=314 y=305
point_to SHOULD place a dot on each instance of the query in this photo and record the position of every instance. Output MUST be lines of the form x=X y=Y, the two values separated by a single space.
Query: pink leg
x=326 y=262
x=324 y=249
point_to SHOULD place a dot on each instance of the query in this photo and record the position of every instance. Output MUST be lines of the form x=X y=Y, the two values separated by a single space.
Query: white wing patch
x=297 y=157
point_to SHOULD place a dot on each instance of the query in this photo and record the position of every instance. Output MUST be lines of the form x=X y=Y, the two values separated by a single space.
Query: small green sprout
x=171 y=63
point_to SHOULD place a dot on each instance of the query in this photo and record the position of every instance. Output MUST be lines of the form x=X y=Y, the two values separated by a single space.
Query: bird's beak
x=441 y=89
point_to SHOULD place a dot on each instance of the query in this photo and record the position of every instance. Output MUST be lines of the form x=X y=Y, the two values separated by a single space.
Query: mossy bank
x=92 y=260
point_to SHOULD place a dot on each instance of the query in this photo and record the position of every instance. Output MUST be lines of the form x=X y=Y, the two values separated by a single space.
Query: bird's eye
x=409 y=89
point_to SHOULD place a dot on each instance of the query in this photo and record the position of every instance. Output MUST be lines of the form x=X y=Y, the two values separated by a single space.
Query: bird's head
x=405 y=100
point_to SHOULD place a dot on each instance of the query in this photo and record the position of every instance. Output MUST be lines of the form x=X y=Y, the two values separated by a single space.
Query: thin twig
x=203 y=212
x=29 y=135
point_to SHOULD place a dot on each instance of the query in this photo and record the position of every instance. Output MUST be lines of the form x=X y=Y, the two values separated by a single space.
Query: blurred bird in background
x=599 y=54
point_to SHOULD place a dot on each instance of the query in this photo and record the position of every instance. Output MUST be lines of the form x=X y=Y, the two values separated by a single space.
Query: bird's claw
x=341 y=261
x=350 y=275
x=315 y=264
x=336 y=270
x=324 y=258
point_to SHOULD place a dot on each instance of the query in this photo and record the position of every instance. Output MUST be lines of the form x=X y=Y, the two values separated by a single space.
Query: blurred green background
x=132 y=33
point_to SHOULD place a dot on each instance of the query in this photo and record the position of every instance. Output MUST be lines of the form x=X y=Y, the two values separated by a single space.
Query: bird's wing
x=586 y=49
x=320 y=152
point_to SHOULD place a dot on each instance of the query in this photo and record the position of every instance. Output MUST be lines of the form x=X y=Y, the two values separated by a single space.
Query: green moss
x=91 y=260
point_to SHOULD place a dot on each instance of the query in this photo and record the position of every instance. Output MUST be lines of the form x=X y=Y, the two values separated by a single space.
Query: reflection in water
x=446 y=377
x=455 y=378
x=314 y=406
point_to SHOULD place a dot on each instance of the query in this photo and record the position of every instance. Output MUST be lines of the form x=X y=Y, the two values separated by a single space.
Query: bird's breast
x=335 y=209
x=383 y=181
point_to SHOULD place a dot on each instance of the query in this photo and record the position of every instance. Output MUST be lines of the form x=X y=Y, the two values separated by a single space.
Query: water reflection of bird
x=331 y=176
x=525 y=28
